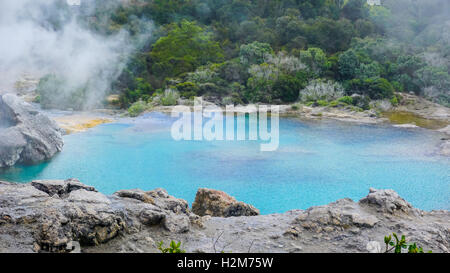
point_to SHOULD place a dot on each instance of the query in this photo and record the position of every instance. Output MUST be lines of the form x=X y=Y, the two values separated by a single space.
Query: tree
x=331 y=35
x=348 y=64
x=379 y=88
x=287 y=88
x=186 y=47
x=355 y=9
x=254 y=53
x=315 y=59
x=259 y=85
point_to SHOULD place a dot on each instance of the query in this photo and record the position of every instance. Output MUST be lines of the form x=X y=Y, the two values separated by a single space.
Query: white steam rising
x=30 y=45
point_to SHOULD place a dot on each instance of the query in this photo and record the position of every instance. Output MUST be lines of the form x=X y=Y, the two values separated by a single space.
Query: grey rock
x=37 y=217
x=151 y=217
x=340 y=215
x=136 y=194
x=26 y=136
x=166 y=202
x=88 y=197
x=177 y=223
x=387 y=201
x=60 y=187
x=54 y=213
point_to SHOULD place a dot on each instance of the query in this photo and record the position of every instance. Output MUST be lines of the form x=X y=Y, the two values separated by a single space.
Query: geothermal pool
x=317 y=162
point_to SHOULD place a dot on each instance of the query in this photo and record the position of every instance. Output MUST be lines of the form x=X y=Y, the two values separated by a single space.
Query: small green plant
x=169 y=98
x=335 y=103
x=37 y=99
x=400 y=244
x=346 y=99
x=173 y=247
x=321 y=103
x=137 y=108
x=394 y=101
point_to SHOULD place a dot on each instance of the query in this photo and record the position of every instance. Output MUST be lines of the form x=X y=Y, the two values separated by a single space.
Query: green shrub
x=322 y=103
x=361 y=102
x=173 y=247
x=187 y=89
x=346 y=99
x=394 y=101
x=334 y=103
x=379 y=88
x=169 y=98
x=287 y=88
x=137 y=108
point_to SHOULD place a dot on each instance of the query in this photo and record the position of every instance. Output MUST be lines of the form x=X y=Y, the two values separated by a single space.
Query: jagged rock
x=136 y=194
x=387 y=201
x=151 y=217
x=219 y=204
x=60 y=187
x=26 y=136
x=240 y=209
x=164 y=201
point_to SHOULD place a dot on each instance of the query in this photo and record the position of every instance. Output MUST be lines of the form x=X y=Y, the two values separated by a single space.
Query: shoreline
x=407 y=117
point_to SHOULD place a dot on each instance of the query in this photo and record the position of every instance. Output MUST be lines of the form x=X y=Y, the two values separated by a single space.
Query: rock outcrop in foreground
x=58 y=215
x=26 y=136
x=219 y=204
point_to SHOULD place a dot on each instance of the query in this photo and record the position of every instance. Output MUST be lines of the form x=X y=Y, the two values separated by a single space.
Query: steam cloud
x=31 y=44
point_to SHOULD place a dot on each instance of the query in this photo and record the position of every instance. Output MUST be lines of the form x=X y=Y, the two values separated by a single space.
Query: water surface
x=316 y=163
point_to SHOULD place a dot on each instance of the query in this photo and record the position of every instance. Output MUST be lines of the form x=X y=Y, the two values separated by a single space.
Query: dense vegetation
x=281 y=51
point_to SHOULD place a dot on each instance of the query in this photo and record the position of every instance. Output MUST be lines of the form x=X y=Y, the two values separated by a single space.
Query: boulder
x=219 y=204
x=26 y=135
x=387 y=201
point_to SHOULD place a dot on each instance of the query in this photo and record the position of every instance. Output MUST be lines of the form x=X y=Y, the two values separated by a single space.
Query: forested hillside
x=279 y=51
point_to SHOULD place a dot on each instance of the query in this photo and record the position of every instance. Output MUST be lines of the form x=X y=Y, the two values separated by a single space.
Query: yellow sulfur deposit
x=76 y=124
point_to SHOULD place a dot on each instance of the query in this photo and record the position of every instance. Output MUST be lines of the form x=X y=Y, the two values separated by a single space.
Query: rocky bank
x=58 y=216
x=26 y=136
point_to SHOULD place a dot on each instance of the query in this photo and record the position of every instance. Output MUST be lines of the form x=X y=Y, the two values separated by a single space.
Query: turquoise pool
x=316 y=163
